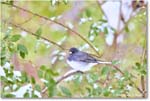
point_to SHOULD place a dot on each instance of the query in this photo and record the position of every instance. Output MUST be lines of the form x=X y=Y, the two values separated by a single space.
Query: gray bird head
x=73 y=50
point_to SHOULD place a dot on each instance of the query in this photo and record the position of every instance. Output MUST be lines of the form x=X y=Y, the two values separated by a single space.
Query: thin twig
x=66 y=76
x=107 y=79
x=62 y=78
x=142 y=77
x=127 y=22
x=32 y=33
x=100 y=7
x=119 y=20
x=143 y=86
x=56 y=23
x=26 y=21
x=129 y=80
x=117 y=69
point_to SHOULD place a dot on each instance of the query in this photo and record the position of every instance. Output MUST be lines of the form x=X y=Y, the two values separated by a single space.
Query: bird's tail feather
x=102 y=62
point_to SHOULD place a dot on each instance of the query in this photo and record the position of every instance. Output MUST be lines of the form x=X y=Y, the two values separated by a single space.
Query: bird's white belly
x=81 y=66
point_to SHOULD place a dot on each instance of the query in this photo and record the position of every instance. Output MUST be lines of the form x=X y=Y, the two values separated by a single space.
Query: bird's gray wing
x=83 y=57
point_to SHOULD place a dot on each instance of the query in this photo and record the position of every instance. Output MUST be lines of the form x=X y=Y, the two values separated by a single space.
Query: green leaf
x=32 y=80
x=11 y=47
x=140 y=68
x=11 y=2
x=105 y=70
x=105 y=30
x=15 y=38
x=47 y=76
x=137 y=64
x=51 y=81
x=51 y=91
x=40 y=73
x=143 y=72
x=127 y=75
x=65 y=91
x=26 y=95
x=89 y=89
x=22 y=49
x=51 y=86
x=88 y=13
x=10 y=74
x=126 y=29
x=106 y=92
x=24 y=77
x=3 y=51
x=37 y=87
x=94 y=77
x=95 y=32
x=65 y=1
x=38 y=32
x=103 y=20
x=48 y=71
x=117 y=92
x=7 y=95
x=43 y=67
x=51 y=72
x=34 y=96
x=22 y=54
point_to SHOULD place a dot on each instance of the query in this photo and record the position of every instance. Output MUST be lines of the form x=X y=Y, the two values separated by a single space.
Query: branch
x=106 y=80
x=62 y=78
x=127 y=22
x=26 y=20
x=129 y=80
x=120 y=31
x=117 y=69
x=21 y=28
x=66 y=76
x=100 y=7
x=119 y=20
x=43 y=17
x=142 y=77
x=143 y=86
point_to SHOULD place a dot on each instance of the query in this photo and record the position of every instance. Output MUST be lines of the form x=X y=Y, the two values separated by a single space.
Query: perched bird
x=82 y=61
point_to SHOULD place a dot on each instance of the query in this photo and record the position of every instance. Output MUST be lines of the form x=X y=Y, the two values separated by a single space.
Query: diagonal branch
x=129 y=80
x=142 y=77
x=26 y=20
x=43 y=17
x=62 y=78
x=32 y=33
x=100 y=7
x=130 y=18
x=66 y=76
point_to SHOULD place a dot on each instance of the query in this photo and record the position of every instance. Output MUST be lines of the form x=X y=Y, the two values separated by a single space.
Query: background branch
x=26 y=21
x=78 y=34
x=32 y=33
x=142 y=77
x=62 y=78
x=66 y=76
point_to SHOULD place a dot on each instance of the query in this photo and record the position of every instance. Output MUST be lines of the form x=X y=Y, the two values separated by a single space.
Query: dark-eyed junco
x=82 y=61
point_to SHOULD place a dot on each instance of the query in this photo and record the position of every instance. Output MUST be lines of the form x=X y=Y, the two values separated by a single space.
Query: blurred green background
x=43 y=57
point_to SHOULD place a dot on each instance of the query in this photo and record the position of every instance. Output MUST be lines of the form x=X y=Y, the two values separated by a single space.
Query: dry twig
x=25 y=10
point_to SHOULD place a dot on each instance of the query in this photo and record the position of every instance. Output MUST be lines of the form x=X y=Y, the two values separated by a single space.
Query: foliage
x=27 y=41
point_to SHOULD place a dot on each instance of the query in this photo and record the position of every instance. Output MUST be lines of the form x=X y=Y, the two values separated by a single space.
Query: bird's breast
x=81 y=66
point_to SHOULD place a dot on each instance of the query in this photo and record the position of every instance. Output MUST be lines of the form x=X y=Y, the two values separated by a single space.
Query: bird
x=82 y=61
